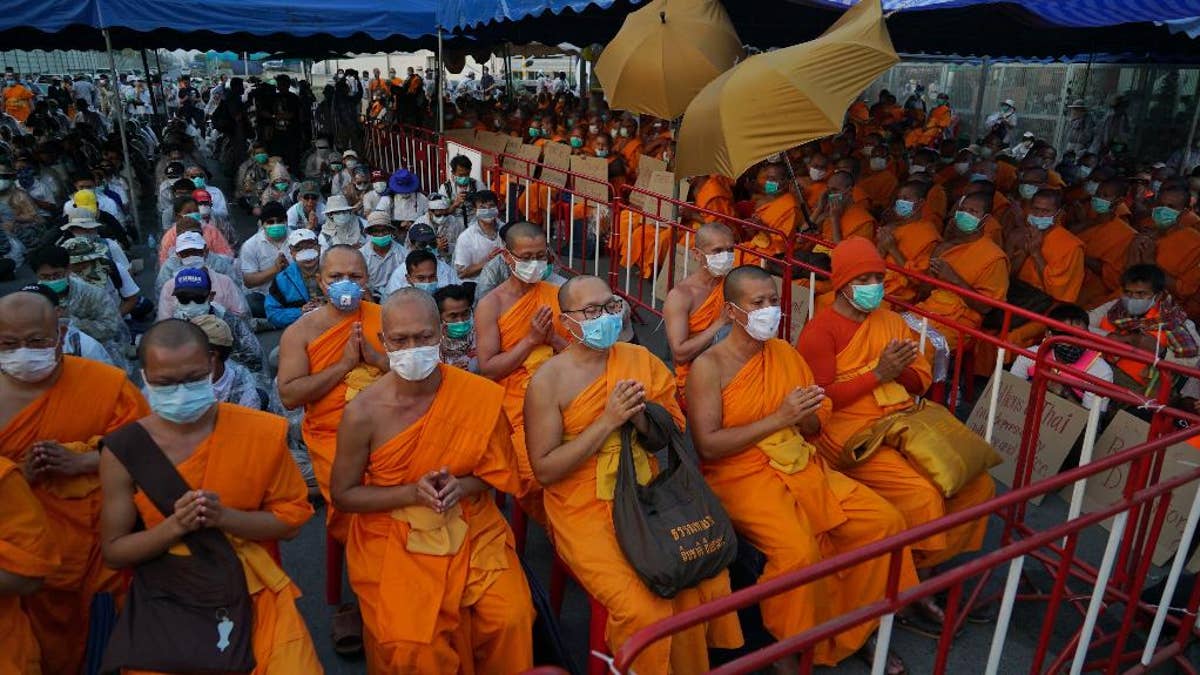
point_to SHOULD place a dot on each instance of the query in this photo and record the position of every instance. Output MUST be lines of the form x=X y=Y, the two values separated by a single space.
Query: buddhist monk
x=713 y=194
x=879 y=179
x=53 y=411
x=969 y=259
x=776 y=208
x=28 y=554
x=752 y=408
x=575 y=408
x=923 y=167
x=1044 y=254
x=327 y=357
x=694 y=311
x=430 y=556
x=865 y=358
x=955 y=176
x=1001 y=217
x=518 y=330
x=1174 y=245
x=909 y=240
x=242 y=481
x=1106 y=239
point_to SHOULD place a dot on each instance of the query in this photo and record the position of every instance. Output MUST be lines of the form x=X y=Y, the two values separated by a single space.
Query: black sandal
x=347 y=631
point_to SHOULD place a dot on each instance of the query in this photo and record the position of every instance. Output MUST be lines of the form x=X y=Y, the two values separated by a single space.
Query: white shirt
x=297 y=219
x=227 y=295
x=381 y=267
x=129 y=287
x=473 y=246
x=1098 y=368
x=259 y=253
x=88 y=347
x=408 y=207
x=445 y=273
x=220 y=207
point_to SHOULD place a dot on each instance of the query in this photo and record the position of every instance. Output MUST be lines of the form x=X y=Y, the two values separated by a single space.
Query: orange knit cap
x=852 y=258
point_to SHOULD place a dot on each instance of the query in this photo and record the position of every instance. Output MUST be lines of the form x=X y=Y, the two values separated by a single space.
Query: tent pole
x=984 y=70
x=246 y=64
x=441 y=80
x=133 y=186
x=149 y=84
x=1191 y=141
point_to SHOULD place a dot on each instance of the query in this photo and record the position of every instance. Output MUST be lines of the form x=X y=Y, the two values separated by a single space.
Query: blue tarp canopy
x=293 y=26
x=1034 y=28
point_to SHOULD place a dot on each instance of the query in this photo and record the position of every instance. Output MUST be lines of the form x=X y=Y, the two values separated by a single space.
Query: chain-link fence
x=1160 y=118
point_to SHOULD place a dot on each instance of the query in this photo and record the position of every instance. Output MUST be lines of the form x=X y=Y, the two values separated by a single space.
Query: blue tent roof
x=456 y=14
x=261 y=25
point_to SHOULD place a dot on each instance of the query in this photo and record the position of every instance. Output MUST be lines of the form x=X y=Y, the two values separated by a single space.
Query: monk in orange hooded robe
x=430 y=555
x=1049 y=259
x=838 y=216
x=1175 y=247
x=865 y=357
x=753 y=402
x=1106 y=242
x=518 y=331
x=51 y=423
x=693 y=313
x=879 y=180
x=242 y=482
x=910 y=241
x=777 y=209
x=27 y=550
x=326 y=358
x=574 y=445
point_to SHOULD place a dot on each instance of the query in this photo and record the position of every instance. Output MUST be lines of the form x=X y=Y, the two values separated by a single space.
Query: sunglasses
x=190 y=299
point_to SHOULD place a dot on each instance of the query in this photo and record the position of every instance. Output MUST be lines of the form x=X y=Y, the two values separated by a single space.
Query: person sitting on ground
x=909 y=240
x=1173 y=243
x=200 y=179
x=309 y=209
x=74 y=341
x=576 y=406
x=838 y=216
x=82 y=223
x=191 y=249
x=240 y=481
x=431 y=442
x=383 y=252
x=224 y=264
x=252 y=176
x=187 y=219
x=1070 y=357
x=866 y=359
x=341 y=225
x=1044 y=254
x=180 y=189
x=89 y=308
x=446 y=222
x=297 y=289
x=775 y=207
x=458 y=327
x=204 y=206
x=694 y=313
x=195 y=297
x=480 y=242
x=279 y=188
x=421 y=238
x=372 y=199
x=1107 y=237
x=752 y=403
x=263 y=256
x=405 y=203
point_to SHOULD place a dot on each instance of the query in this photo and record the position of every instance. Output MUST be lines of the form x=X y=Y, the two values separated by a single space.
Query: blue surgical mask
x=199 y=182
x=1027 y=190
x=771 y=187
x=976 y=177
x=866 y=297
x=904 y=208
x=1164 y=216
x=601 y=332
x=460 y=329
x=181 y=403
x=427 y=286
x=345 y=295
x=1041 y=222
x=966 y=222
x=1100 y=205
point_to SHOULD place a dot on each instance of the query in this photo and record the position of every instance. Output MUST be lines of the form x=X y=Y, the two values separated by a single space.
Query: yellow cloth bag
x=787 y=450
x=433 y=533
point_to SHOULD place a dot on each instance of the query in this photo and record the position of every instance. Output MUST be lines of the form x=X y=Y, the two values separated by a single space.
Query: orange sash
x=699 y=320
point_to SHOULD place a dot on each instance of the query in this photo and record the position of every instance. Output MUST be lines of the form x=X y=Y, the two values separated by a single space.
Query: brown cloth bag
x=184 y=614
x=673 y=530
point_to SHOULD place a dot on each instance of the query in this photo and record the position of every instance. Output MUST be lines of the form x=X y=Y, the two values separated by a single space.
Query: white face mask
x=351 y=163
x=415 y=364
x=343 y=218
x=193 y=261
x=191 y=310
x=27 y=364
x=763 y=324
x=380 y=187
x=487 y=215
x=205 y=210
x=530 y=271
x=719 y=264
x=307 y=255
x=817 y=174
x=962 y=168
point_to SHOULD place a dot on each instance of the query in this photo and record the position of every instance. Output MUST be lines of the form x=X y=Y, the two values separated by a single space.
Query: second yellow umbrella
x=665 y=53
x=775 y=101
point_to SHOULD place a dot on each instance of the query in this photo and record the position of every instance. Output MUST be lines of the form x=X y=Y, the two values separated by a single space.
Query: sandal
x=347 y=631
x=895 y=664
x=923 y=617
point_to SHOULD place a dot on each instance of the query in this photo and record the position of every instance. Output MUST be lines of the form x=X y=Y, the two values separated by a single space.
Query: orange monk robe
x=1109 y=243
x=1006 y=177
x=939 y=119
x=813 y=193
x=1054 y=181
x=916 y=240
x=630 y=150
x=466 y=611
x=514 y=325
x=798 y=518
x=1063 y=273
x=880 y=188
x=1178 y=254
x=780 y=213
x=698 y=321
x=886 y=471
x=641 y=240
x=246 y=462
x=89 y=400
x=984 y=266
x=28 y=549
x=322 y=417
x=581 y=523
x=856 y=222
x=714 y=194
x=935 y=205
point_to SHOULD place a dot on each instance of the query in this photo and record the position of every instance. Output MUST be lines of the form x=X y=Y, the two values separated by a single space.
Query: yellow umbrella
x=778 y=100
x=665 y=53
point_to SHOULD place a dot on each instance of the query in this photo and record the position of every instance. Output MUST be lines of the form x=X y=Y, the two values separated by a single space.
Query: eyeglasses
x=274 y=221
x=308 y=197
x=614 y=305
x=30 y=343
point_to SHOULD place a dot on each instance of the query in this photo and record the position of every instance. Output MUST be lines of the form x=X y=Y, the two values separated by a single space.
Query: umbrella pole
x=441 y=78
x=149 y=84
x=133 y=187
x=787 y=161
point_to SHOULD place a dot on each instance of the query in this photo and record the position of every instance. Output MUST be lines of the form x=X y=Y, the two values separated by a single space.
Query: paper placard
x=558 y=156
x=523 y=160
x=1062 y=422
x=799 y=308
x=1107 y=488
x=662 y=183
x=493 y=145
x=647 y=165
x=592 y=167
x=512 y=150
x=463 y=136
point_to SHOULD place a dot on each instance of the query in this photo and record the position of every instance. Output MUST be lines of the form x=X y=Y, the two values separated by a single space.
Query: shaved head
x=741 y=278
x=343 y=253
x=713 y=233
x=26 y=310
x=410 y=319
x=841 y=180
x=173 y=335
x=580 y=290
x=410 y=302
x=522 y=229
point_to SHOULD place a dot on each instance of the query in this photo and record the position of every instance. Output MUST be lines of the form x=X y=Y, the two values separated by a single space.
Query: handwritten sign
x=492 y=144
x=557 y=156
x=662 y=183
x=799 y=308
x=591 y=167
x=1104 y=489
x=1062 y=422
x=647 y=165
x=684 y=266
x=512 y=162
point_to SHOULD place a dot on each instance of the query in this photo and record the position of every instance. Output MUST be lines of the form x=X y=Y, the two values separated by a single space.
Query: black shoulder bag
x=184 y=614
x=673 y=530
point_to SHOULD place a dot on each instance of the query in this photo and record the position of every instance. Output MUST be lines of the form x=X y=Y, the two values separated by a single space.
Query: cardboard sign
x=1104 y=489
x=591 y=167
x=799 y=308
x=493 y=145
x=662 y=183
x=647 y=165
x=684 y=265
x=463 y=136
x=558 y=156
x=512 y=163
x=1062 y=422
x=524 y=164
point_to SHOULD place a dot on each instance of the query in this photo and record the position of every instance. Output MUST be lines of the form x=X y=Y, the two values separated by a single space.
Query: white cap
x=80 y=218
x=297 y=237
x=1010 y=103
x=439 y=202
x=349 y=153
x=336 y=204
x=1027 y=135
x=190 y=241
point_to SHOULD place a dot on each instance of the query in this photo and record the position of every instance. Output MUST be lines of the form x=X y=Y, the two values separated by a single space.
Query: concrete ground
x=304 y=560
